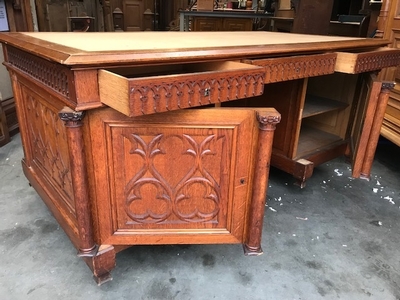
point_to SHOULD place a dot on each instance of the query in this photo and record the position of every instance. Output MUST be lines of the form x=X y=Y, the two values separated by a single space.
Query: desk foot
x=101 y=263
x=366 y=177
x=303 y=170
x=252 y=251
x=102 y=279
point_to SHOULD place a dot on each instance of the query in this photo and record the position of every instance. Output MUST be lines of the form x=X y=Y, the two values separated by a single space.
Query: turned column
x=376 y=129
x=267 y=123
x=73 y=124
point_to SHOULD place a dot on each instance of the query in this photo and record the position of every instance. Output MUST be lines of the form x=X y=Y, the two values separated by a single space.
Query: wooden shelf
x=313 y=140
x=315 y=105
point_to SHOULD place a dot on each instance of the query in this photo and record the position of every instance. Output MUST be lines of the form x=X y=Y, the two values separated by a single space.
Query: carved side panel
x=171 y=178
x=49 y=145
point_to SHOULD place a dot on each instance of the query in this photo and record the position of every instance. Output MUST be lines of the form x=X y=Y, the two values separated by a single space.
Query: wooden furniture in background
x=312 y=16
x=112 y=150
x=19 y=15
x=54 y=15
x=350 y=25
x=4 y=134
x=222 y=24
x=138 y=15
x=220 y=20
x=389 y=28
x=10 y=112
x=346 y=12
x=333 y=17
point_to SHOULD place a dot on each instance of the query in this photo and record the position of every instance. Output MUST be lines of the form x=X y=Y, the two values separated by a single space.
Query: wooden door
x=133 y=15
x=391 y=123
x=178 y=177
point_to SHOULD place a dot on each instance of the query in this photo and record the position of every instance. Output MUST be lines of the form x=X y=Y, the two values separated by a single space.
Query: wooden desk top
x=117 y=48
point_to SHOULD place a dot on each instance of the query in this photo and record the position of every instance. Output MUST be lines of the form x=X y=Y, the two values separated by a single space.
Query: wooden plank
x=315 y=105
x=312 y=140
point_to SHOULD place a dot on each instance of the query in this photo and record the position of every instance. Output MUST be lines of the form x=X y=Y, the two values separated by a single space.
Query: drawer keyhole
x=207 y=92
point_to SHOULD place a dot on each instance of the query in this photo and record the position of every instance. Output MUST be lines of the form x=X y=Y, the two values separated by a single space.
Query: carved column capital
x=70 y=117
x=268 y=119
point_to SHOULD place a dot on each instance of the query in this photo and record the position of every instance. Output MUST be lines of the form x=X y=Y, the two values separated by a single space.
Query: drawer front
x=204 y=84
x=354 y=63
x=296 y=67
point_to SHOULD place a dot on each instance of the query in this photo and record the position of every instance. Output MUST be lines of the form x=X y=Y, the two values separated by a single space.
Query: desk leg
x=100 y=259
x=375 y=130
x=267 y=124
x=101 y=263
x=73 y=125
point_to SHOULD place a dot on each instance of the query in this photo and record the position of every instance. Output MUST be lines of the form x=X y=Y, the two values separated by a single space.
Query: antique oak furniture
x=220 y=20
x=165 y=138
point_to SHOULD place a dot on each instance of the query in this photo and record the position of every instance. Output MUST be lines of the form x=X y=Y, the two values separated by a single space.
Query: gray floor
x=336 y=239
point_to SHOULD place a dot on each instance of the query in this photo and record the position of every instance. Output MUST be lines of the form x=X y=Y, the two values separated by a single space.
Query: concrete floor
x=336 y=239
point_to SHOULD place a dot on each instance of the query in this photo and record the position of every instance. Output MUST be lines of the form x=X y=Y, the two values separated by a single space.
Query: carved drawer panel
x=179 y=177
x=147 y=90
x=354 y=63
x=296 y=67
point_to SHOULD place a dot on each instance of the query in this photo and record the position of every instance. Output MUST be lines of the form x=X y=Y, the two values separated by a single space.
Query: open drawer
x=143 y=90
x=354 y=63
x=295 y=67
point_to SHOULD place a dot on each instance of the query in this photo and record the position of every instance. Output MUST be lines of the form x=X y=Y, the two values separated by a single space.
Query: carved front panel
x=48 y=144
x=376 y=61
x=178 y=177
x=173 y=178
x=188 y=86
x=148 y=97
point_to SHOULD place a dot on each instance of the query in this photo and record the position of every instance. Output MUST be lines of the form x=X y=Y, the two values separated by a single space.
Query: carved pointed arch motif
x=175 y=199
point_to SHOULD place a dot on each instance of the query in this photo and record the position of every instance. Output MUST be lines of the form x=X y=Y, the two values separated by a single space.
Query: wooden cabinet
x=179 y=177
x=237 y=24
x=324 y=108
x=169 y=140
x=206 y=24
x=221 y=24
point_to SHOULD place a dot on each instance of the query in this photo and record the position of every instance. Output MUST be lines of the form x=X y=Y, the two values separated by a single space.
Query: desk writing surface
x=73 y=48
x=93 y=42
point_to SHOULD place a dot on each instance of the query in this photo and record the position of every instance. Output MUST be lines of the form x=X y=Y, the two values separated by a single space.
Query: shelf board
x=312 y=140
x=315 y=105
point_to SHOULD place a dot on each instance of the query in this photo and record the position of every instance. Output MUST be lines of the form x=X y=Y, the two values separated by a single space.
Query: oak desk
x=114 y=147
